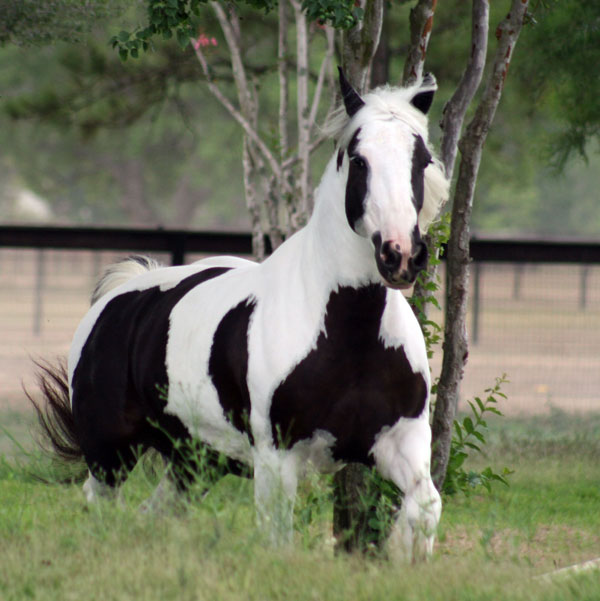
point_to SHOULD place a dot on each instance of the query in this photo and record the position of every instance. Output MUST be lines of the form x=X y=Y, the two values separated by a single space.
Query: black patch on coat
x=228 y=364
x=420 y=159
x=119 y=384
x=350 y=385
x=356 y=185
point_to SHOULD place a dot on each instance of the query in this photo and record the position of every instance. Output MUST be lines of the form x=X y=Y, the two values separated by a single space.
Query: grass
x=492 y=546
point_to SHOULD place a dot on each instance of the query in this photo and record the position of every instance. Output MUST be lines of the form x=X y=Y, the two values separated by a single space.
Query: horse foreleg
x=403 y=455
x=275 y=483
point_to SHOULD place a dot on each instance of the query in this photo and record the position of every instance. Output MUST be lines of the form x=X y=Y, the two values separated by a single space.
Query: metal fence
x=535 y=305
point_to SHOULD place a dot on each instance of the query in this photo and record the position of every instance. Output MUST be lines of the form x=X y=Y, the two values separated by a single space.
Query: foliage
x=31 y=22
x=563 y=49
x=341 y=14
x=470 y=435
x=179 y=19
x=438 y=235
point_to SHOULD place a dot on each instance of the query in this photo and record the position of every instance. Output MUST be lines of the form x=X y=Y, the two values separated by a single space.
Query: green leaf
x=458 y=459
x=473 y=409
x=183 y=38
x=468 y=425
x=479 y=436
x=123 y=53
x=374 y=524
x=458 y=430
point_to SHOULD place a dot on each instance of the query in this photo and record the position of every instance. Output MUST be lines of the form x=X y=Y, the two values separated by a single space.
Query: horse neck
x=332 y=252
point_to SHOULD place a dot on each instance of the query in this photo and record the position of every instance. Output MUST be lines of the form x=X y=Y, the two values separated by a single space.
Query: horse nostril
x=420 y=257
x=391 y=258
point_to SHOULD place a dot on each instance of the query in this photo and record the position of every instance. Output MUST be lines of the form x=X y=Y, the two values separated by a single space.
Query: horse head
x=394 y=186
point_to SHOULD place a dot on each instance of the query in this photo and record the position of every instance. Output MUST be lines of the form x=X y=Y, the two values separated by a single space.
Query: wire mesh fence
x=537 y=323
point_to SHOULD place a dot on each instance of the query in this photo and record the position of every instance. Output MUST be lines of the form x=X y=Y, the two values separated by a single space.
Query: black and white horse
x=312 y=357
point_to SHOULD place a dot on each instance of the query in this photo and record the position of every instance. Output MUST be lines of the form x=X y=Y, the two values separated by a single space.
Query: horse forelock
x=382 y=104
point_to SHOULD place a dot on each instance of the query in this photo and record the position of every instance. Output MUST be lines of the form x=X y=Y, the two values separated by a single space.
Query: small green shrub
x=470 y=435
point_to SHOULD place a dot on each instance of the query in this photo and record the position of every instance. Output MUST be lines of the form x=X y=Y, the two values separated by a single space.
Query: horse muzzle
x=398 y=269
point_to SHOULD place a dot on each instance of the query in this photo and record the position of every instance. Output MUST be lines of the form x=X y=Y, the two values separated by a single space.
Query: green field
x=491 y=546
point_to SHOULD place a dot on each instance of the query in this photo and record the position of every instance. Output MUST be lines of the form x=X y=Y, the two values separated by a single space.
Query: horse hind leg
x=403 y=455
x=95 y=489
x=108 y=469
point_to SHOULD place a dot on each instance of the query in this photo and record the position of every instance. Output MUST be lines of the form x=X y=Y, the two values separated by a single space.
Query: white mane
x=385 y=103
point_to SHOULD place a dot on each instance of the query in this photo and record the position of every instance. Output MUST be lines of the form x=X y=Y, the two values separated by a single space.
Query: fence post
x=178 y=249
x=476 y=303
x=517 y=281
x=583 y=286
x=38 y=299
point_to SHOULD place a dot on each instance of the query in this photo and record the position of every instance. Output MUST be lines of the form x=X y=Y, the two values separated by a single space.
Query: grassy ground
x=491 y=546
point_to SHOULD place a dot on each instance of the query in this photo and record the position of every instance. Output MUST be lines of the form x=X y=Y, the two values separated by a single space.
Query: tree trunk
x=456 y=347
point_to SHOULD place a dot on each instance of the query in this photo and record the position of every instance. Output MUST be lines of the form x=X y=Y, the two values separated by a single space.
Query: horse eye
x=359 y=162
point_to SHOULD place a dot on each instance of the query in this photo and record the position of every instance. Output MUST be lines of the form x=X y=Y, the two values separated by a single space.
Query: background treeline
x=144 y=142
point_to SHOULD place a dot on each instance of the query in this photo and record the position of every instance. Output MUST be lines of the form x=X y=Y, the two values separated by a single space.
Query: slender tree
x=470 y=145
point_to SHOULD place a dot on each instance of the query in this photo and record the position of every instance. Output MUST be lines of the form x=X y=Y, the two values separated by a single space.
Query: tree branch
x=360 y=43
x=232 y=37
x=282 y=69
x=241 y=119
x=455 y=334
x=421 y=23
x=303 y=110
x=325 y=65
x=258 y=240
x=456 y=108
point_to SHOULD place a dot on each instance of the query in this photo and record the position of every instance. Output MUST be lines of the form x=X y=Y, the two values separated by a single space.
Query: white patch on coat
x=400 y=329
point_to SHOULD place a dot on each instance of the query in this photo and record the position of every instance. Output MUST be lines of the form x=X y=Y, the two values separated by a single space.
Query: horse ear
x=424 y=97
x=352 y=101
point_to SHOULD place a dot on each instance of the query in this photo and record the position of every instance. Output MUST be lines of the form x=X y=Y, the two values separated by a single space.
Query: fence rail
x=179 y=243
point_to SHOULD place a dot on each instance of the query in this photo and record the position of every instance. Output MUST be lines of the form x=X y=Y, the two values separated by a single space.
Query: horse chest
x=350 y=385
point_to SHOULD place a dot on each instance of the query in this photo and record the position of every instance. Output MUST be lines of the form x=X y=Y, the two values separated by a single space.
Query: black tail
x=59 y=436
